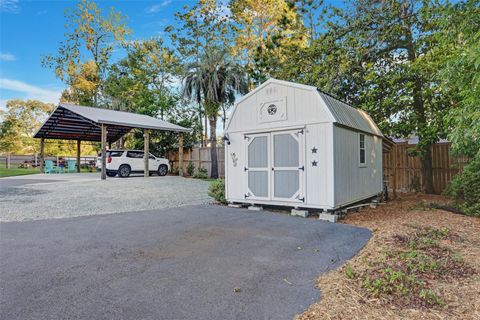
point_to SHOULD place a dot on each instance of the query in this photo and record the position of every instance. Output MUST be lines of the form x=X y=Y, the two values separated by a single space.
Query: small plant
x=200 y=173
x=174 y=171
x=430 y=297
x=350 y=273
x=217 y=190
x=465 y=188
x=190 y=169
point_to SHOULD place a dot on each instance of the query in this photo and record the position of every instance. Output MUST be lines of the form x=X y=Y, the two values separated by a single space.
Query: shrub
x=465 y=188
x=217 y=190
x=174 y=171
x=190 y=169
x=200 y=173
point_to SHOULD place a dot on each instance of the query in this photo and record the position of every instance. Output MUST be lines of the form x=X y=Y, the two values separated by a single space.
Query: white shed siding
x=302 y=106
x=319 y=179
x=351 y=181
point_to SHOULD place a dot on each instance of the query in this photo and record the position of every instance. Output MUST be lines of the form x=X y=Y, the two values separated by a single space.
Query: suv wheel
x=162 y=170
x=124 y=171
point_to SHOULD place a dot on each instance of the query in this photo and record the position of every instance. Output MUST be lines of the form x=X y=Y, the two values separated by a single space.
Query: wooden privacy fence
x=200 y=158
x=404 y=173
x=401 y=170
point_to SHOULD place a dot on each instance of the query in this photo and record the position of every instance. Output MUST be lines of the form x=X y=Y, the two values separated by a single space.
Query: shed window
x=362 y=150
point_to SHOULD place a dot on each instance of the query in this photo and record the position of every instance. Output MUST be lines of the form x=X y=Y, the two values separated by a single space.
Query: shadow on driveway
x=193 y=262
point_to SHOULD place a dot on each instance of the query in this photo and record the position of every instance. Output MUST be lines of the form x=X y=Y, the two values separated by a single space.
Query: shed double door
x=275 y=166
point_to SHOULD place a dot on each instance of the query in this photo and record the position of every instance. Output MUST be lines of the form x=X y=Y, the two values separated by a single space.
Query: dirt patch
x=421 y=263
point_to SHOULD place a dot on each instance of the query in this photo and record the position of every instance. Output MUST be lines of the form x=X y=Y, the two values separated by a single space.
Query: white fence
x=33 y=160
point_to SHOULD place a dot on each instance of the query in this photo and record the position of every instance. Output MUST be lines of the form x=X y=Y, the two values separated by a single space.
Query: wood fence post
x=394 y=167
x=8 y=161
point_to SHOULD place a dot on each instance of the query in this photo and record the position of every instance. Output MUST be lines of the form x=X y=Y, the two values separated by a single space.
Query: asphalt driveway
x=190 y=262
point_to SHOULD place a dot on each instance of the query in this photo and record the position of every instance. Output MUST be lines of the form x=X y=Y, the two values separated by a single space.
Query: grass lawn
x=421 y=263
x=4 y=172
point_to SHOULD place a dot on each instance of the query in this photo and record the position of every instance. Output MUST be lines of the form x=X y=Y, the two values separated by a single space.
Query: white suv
x=124 y=162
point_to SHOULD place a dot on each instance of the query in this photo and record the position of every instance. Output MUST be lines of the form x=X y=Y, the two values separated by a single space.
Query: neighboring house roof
x=69 y=121
x=414 y=140
x=349 y=116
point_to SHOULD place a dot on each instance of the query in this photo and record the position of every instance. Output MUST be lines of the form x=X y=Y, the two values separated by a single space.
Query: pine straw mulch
x=395 y=226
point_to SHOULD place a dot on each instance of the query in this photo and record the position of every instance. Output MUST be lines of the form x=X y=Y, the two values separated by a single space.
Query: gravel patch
x=83 y=195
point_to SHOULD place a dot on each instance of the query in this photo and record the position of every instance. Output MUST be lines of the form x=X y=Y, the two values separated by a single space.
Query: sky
x=30 y=29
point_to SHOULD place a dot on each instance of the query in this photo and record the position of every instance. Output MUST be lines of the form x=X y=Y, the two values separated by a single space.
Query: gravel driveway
x=70 y=195
x=191 y=262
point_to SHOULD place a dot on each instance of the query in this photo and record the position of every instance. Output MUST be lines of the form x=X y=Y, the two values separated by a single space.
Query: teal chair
x=49 y=167
x=71 y=165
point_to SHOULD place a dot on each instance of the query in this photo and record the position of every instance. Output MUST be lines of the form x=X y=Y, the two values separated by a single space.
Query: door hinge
x=245 y=169
x=301 y=199
x=302 y=168
x=301 y=131
x=246 y=196
x=273 y=169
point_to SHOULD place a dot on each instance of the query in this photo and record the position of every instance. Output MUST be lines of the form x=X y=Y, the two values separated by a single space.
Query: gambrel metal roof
x=349 y=116
x=339 y=111
x=72 y=122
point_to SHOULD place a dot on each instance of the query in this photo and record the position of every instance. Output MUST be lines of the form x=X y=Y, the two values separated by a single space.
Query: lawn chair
x=49 y=167
x=71 y=165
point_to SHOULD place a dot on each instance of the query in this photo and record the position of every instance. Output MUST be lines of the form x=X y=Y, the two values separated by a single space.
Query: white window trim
x=360 y=164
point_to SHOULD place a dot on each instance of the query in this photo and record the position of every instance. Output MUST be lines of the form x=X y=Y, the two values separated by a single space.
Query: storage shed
x=292 y=145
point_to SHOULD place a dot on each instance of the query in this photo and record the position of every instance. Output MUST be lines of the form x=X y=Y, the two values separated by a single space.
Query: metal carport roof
x=72 y=122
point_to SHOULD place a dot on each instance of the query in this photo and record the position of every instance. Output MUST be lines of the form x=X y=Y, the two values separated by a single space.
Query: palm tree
x=214 y=80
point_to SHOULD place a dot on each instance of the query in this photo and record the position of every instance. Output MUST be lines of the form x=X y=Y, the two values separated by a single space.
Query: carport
x=80 y=123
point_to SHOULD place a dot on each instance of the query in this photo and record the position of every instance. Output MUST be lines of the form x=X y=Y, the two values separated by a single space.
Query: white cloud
x=7 y=57
x=10 y=6
x=157 y=7
x=29 y=91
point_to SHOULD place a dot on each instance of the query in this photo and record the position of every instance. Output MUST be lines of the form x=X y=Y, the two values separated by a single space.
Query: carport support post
x=42 y=153
x=146 y=152
x=180 y=154
x=104 y=152
x=78 y=155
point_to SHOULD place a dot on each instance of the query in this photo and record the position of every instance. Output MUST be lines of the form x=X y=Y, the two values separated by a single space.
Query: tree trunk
x=205 y=138
x=419 y=110
x=427 y=169
x=213 y=147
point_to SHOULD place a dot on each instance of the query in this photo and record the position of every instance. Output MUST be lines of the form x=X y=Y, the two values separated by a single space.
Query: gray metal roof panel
x=122 y=118
x=348 y=116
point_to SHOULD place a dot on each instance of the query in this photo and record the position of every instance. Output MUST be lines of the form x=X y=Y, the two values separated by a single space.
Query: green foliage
x=216 y=190
x=83 y=57
x=190 y=169
x=200 y=173
x=349 y=272
x=20 y=122
x=175 y=171
x=213 y=81
x=458 y=53
x=465 y=188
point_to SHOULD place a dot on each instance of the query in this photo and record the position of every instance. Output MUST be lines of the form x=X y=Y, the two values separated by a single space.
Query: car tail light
x=109 y=160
